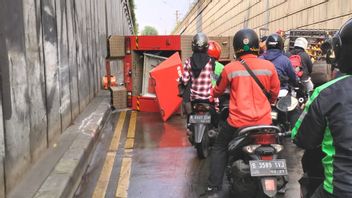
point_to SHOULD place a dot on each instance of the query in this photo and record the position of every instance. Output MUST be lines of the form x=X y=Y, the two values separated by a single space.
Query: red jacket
x=248 y=104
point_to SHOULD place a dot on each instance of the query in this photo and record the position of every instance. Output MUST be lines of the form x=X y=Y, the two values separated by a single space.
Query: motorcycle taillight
x=266 y=157
x=264 y=139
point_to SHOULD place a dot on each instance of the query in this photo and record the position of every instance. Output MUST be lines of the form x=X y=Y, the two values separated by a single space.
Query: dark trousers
x=321 y=193
x=219 y=155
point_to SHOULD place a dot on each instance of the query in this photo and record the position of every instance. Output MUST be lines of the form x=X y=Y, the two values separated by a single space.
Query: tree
x=149 y=30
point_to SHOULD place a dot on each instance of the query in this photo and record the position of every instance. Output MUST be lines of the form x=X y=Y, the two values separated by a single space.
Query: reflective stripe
x=310 y=101
x=258 y=72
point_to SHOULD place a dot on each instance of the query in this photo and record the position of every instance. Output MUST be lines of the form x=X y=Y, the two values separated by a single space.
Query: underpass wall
x=224 y=18
x=52 y=59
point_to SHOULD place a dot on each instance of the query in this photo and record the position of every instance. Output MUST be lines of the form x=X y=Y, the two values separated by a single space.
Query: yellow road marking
x=124 y=180
x=116 y=138
x=129 y=143
x=132 y=127
x=102 y=184
x=125 y=172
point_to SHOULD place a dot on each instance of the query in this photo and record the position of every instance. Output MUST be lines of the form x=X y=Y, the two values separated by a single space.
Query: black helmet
x=200 y=43
x=246 y=41
x=274 y=41
x=342 y=46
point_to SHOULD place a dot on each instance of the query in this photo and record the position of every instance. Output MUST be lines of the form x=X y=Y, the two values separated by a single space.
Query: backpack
x=297 y=64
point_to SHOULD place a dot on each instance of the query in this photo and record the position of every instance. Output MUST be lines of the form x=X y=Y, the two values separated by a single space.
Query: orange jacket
x=248 y=104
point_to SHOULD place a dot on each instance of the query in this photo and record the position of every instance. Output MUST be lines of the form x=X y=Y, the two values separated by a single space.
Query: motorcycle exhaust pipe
x=212 y=133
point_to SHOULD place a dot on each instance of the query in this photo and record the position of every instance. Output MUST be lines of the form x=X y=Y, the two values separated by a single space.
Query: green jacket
x=217 y=72
x=327 y=122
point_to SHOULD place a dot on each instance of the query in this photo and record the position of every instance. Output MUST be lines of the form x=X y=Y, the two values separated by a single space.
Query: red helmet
x=214 y=49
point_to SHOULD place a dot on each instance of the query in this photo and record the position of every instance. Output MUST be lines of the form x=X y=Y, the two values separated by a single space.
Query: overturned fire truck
x=142 y=71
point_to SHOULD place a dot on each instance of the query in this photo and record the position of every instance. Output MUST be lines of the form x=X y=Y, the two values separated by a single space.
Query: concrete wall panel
x=36 y=78
x=3 y=78
x=230 y=16
x=17 y=155
x=52 y=59
x=63 y=63
x=72 y=55
x=52 y=70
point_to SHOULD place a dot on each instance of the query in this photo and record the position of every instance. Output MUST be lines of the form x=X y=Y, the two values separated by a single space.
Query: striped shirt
x=200 y=89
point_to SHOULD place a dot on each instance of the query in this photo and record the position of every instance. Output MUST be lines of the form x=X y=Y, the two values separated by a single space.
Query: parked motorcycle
x=254 y=169
x=202 y=132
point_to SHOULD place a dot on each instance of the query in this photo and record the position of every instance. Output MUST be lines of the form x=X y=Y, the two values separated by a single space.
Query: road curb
x=66 y=175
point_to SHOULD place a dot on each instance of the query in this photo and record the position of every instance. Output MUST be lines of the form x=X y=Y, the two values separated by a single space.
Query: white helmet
x=301 y=42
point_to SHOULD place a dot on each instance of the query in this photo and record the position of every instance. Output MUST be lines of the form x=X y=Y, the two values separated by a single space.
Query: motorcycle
x=254 y=169
x=202 y=133
x=289 y=106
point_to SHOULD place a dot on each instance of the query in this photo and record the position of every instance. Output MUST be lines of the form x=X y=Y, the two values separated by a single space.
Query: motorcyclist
x=326 y=122
x=248 y=103
x=274 y=54
x=214 y=52
x=300 y=45
x=198 y=70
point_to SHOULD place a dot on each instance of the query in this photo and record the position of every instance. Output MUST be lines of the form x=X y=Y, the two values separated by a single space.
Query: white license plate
x=200 y=119
x=260 y=168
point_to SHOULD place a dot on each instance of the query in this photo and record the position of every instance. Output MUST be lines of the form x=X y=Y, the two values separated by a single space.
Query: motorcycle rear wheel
x=203 y=147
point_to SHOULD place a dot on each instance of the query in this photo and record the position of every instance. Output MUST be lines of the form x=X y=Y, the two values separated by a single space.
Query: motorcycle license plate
x=260 y=168
x=202 y=119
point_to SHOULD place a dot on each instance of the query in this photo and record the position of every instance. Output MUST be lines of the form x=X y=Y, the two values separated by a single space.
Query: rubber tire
x=203 y=147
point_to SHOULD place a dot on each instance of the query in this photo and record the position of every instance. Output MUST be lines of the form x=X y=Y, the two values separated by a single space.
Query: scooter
x=202 y=132
x=254 y=169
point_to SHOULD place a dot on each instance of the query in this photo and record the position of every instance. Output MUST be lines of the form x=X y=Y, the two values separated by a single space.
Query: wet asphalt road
x=163 y=164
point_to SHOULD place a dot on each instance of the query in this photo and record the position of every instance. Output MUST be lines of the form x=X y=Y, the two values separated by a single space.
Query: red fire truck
x=147 y=67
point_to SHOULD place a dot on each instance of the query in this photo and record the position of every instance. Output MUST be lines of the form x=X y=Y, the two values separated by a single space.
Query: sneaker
x=211 y=192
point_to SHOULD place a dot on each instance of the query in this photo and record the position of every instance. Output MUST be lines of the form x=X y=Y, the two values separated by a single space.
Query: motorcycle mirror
x=287 y=103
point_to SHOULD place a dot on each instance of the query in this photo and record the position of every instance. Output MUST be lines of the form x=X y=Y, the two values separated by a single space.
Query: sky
x=160 y=14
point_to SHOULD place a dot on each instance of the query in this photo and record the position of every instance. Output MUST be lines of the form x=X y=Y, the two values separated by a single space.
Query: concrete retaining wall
x=52 y=59
x=225 y=17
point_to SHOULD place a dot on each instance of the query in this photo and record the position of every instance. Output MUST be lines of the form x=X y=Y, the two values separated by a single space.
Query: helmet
x=200 y=42
x=301 y=42
x=342 y=46
x=246 y=41
x=274 y=41
x=214 y=49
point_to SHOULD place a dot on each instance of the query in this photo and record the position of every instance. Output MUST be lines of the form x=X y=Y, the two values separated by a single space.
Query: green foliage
x=149 y=30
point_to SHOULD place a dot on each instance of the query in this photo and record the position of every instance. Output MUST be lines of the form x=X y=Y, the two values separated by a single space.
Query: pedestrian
x=300 y=45
x=283 y=66
x=249 y=105
x=326 y=122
